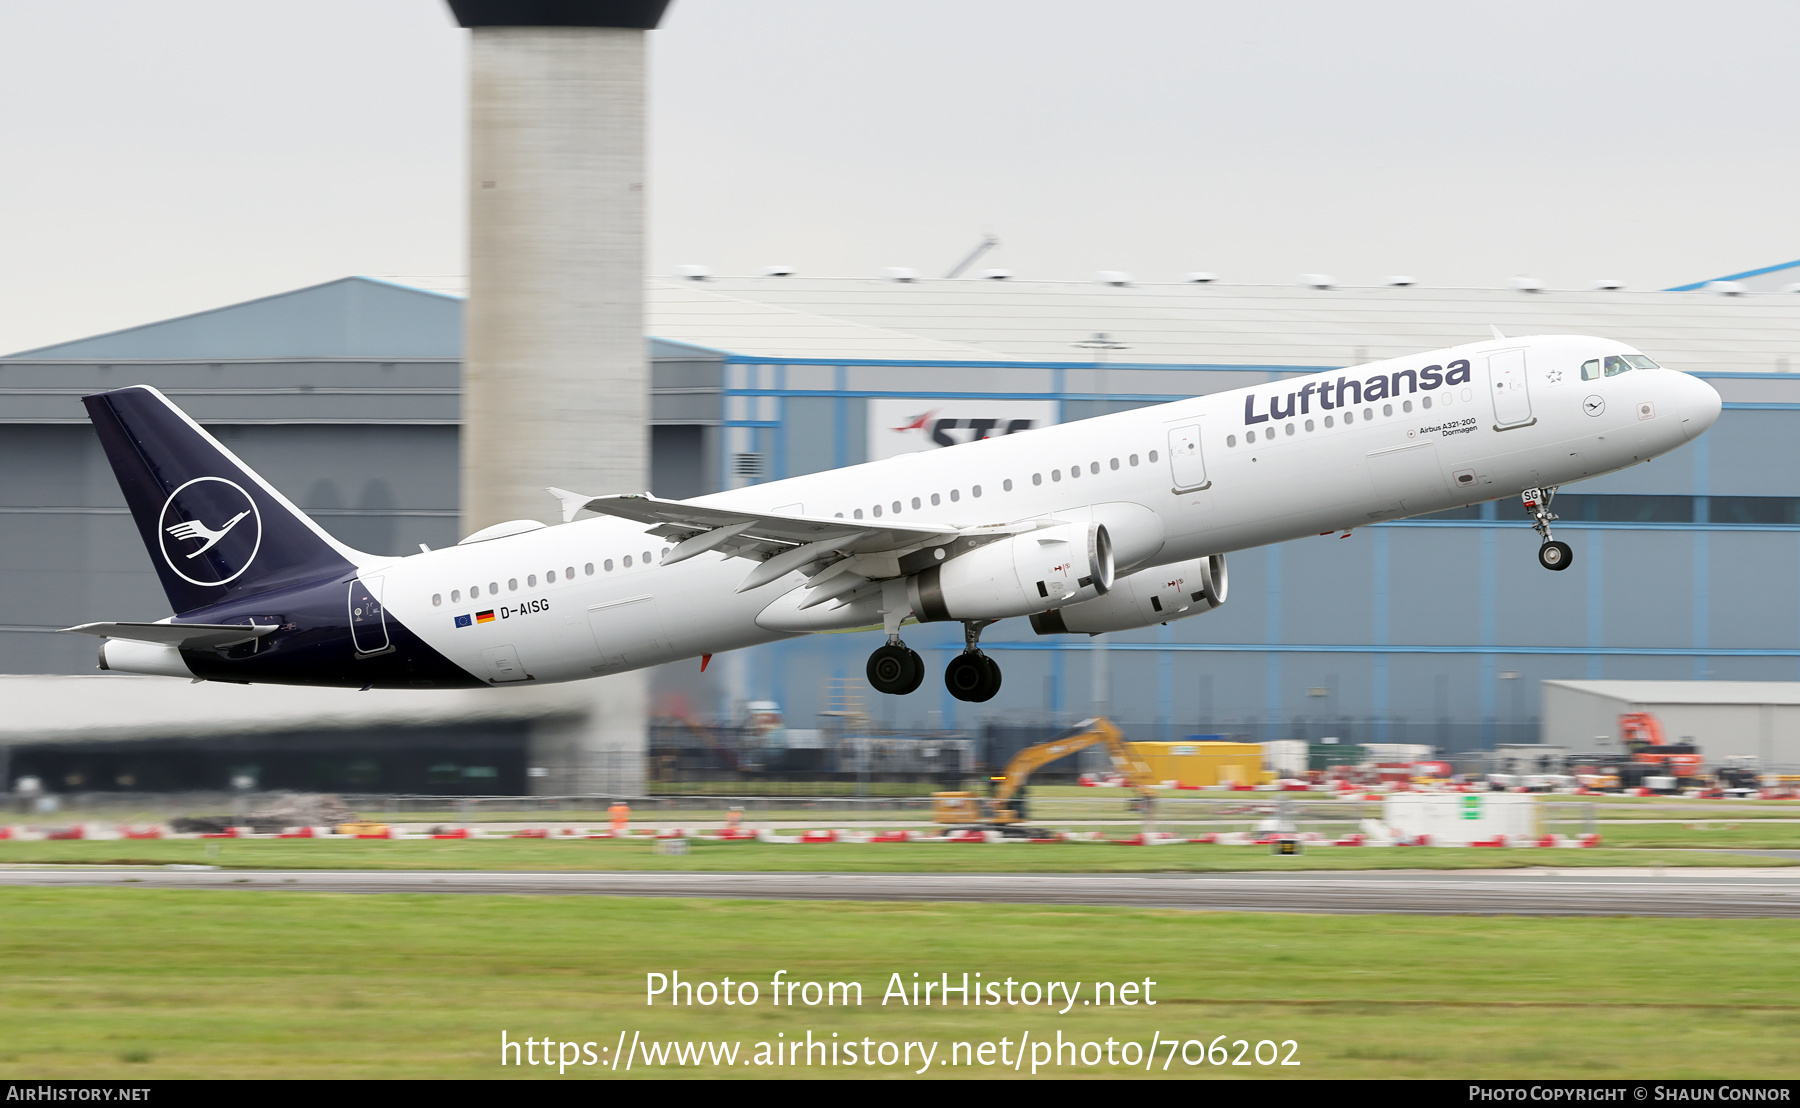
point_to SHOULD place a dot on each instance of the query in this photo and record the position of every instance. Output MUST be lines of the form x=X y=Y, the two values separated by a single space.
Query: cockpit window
x=1590 y=370
x=1616 y=365
x=1638 y=361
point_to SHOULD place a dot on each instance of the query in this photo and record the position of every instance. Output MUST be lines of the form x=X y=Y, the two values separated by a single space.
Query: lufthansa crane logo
x=210 y=531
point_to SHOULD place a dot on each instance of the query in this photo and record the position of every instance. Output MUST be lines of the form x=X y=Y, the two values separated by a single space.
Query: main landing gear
x=897 y=669
x=972 y=675
x=1552 y=554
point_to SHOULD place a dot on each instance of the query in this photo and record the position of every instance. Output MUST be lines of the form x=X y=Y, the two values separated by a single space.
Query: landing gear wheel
x=972 y=676
x=895 y=669
x=1555 y=555
x=965 y=675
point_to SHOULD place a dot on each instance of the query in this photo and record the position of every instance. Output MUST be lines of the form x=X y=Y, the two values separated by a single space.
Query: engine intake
x=1049 y=568
x=1159 y=594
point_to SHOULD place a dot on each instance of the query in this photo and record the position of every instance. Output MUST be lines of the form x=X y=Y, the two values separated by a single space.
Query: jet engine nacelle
x=1142 y=599
x=1048 y=568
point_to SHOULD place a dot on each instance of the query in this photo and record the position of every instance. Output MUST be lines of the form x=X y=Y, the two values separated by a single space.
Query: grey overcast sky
x=168 y=157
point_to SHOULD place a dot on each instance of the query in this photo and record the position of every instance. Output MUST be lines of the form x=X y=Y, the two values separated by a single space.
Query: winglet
x=1496 y=331
x=572 y=502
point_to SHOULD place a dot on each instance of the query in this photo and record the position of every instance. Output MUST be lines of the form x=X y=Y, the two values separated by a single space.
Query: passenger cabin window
x=975 y=491
x=512 y=583
x=1006 y=485
x=1132 y=459
x=1153 y=455
x=608 y=565
x=955 y=496
x=1230 y=440
x=934 y=500
x=646 y=557
x=550 y=577
x=915 y=504
x=531 y=581
x=1093 y=467
x=589 y=569
x=1590 y=370
x=1037 y=478
x=437 y=599
x=627 y=561
x=456 y=596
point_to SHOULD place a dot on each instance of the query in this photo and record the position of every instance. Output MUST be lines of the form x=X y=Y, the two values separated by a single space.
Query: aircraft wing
x=845 y=554
x=191 y=635
x=676 y=519
x=849 y=552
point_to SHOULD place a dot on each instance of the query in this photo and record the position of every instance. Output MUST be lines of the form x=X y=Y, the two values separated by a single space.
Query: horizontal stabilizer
x=194 y=636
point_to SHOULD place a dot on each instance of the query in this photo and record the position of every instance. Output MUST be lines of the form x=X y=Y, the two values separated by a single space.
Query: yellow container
x=1202 y=764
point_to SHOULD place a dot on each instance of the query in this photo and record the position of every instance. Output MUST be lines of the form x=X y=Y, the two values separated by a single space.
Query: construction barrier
x=1373 y=834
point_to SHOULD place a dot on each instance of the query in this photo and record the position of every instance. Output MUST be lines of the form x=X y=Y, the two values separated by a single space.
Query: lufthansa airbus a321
x=1107 y=524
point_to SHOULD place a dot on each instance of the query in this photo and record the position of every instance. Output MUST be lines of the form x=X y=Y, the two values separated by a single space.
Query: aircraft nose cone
x=1700 y=406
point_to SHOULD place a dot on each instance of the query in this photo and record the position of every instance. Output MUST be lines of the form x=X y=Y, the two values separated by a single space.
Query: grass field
x=606 y=854
x=153 y=983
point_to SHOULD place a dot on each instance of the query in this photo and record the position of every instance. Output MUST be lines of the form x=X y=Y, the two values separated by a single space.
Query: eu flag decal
x=463 y=621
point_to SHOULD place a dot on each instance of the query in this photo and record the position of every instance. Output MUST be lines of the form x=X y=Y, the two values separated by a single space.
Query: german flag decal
x=485 y=617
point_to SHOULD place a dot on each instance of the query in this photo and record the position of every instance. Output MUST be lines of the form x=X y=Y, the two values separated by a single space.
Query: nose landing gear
x=1552 y=554
x=972 y=675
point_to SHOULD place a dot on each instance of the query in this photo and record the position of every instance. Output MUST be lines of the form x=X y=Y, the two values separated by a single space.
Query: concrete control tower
x=556 y=387
x=555 y=373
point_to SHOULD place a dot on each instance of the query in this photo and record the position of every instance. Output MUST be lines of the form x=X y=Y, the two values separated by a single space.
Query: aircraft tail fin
x=213 y=528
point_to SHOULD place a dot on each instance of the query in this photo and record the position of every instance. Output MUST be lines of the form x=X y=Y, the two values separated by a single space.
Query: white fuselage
x=1525 y=421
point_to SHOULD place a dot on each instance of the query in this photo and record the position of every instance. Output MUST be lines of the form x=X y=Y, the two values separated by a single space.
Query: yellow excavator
x=997 y=813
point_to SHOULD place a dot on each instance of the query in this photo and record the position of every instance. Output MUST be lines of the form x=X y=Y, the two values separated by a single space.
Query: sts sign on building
x=911 y=426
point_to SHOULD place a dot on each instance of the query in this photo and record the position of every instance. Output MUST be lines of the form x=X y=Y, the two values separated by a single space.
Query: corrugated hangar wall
x=1433 y=630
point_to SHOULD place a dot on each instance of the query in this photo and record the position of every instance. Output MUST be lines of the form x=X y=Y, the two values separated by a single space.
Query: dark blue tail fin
x=214 y=529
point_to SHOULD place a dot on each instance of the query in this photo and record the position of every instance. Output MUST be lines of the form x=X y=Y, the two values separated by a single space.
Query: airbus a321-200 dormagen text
x=1107 y=524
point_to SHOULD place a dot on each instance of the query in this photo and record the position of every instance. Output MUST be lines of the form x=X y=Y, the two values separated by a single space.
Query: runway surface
x=1723 y=893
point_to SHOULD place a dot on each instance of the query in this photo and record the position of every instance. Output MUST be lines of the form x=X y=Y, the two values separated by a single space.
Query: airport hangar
x=346 y=395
